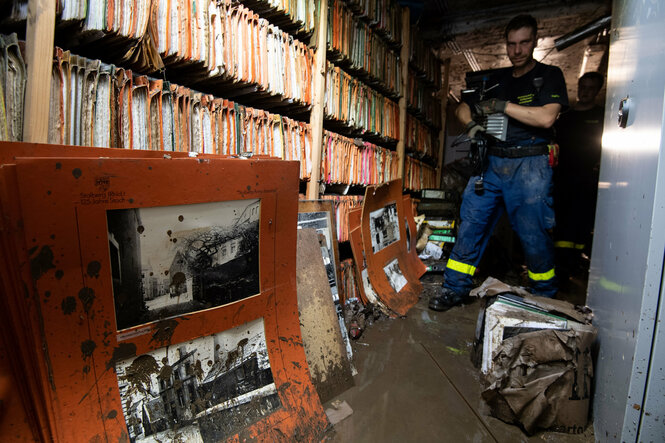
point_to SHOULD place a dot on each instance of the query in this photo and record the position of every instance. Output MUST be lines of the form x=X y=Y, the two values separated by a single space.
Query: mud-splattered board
x=191 y=333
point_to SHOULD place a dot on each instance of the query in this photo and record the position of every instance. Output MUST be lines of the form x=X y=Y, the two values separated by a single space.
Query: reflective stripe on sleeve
x=462 y=267
x=543 y=276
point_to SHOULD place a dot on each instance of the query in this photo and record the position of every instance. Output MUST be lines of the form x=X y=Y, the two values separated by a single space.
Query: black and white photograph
x=395 y=276
x=173 y=260
x=384 y=227
x=204 y=390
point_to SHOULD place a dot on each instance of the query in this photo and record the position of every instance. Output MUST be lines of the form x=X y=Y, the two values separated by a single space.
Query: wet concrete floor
x=416 y=383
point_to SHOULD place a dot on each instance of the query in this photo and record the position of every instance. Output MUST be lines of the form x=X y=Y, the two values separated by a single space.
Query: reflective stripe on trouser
x=524 y=187
x=568 y=245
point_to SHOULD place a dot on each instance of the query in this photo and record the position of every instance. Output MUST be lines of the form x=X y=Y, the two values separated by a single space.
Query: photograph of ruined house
x=395 y=276
x=169 y=261
x=199 y=391
x=384 y=227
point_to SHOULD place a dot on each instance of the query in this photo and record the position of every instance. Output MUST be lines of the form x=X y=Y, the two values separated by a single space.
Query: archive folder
x=418 y=175
x=350 y=101
x=101 y=105
x=354 y=162
x=352 y=40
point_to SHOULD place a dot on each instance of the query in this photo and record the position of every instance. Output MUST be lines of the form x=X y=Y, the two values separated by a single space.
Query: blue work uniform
x=520 y=185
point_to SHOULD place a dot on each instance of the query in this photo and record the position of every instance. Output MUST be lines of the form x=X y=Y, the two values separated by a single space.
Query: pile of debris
x=535 y=356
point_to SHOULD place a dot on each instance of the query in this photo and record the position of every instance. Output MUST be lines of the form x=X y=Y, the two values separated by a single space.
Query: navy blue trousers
x=523 y=188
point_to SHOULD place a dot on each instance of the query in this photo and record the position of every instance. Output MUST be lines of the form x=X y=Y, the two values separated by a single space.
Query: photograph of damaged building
x=200 y=391
x=524 y=304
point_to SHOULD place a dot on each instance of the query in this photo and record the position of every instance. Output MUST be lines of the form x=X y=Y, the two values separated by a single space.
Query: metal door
x=627 y=257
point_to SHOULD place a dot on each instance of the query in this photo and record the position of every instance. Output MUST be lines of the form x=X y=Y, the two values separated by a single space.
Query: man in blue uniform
x=518 y=176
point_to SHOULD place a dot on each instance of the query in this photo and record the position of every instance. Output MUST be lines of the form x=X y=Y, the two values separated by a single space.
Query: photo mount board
x=324 y=346
x=327 y=227
x=378 y=198
x=367 y=293
x=73 y=281
x=411 y=238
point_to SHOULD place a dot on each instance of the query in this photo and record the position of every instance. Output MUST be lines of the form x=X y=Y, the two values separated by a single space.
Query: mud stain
x=121 y=352
x=87 y=297
x=93 y=269
x=87 y=348
x=68 y=305
x=139 y=374
x=42 y=263
x=164 y=331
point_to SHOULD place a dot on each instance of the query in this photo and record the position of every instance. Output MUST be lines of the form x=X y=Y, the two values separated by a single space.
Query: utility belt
x=519 y=151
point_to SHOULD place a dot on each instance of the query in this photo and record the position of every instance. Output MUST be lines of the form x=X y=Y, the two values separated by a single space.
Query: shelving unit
x=343 y=44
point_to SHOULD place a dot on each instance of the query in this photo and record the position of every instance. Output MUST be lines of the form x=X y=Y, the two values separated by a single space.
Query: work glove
x=472 y=128
x=491 y=106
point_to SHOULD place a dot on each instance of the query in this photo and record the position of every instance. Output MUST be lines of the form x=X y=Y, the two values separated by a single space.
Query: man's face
x=587 y=89
x=520 y=44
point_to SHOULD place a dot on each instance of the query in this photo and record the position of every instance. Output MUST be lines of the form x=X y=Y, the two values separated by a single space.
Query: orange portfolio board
x=165 y=299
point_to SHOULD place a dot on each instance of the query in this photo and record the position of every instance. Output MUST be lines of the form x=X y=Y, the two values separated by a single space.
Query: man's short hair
x=522 y=21
x=595 y=76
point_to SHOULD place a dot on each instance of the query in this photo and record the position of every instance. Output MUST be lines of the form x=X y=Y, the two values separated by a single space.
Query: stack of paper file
x=353 y=162
x=94 y=104
x=360 y=107
x=423 y=60
x=299 y=13
x=418 y=175
x=12 y=88
x=342 y=204
x=353 y=41
x=510 y=314
x=383 y=15
x=420 y=97
x=420 y=138
x=208 y=39
x=234 y=44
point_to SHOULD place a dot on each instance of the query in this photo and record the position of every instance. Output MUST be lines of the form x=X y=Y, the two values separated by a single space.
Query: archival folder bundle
x=140 y=306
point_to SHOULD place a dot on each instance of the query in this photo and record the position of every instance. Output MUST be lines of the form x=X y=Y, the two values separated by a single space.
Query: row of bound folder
x=418 y=175
x=218 y=39
x=353 y=162
x=352 y=39
x=420 y=138
x=300 y=13
x=384 y=15
x=423 y=60
x=350 y=101
x=235 y=44
x=342 y=204
x=95 y=104
x=421 y=98
x=12 y=88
